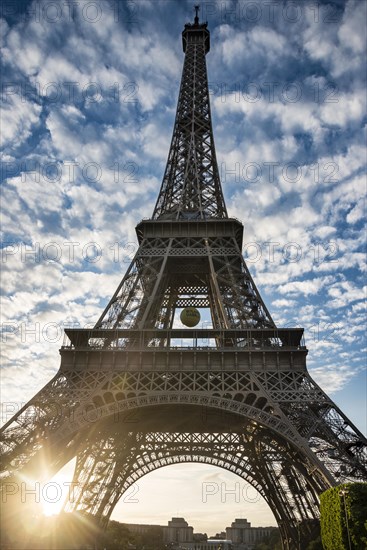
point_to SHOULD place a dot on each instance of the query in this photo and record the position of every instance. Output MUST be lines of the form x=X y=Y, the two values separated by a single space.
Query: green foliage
x=152 y=539
x=315 y=544
x=272 y=542
x=262 y=546
x=343 y=517
x=117 y=536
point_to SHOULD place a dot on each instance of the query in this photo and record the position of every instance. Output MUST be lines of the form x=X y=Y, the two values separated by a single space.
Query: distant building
x=221 y=536
x=178 y=530
x=245 y=537
x=140 y=528
x=180 y=535
x=210 y=544
x=200 y=537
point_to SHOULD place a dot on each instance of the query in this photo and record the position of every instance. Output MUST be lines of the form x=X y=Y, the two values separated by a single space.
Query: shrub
x=344 y=517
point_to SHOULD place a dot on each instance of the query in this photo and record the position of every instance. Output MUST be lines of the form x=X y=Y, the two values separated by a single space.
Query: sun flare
x=54 y=493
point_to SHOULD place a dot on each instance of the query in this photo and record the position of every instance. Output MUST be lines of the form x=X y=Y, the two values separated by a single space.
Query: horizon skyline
x=304 y=231
x=196 y=532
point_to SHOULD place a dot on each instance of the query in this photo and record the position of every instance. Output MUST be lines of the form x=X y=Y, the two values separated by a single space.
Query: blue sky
x=89 y=96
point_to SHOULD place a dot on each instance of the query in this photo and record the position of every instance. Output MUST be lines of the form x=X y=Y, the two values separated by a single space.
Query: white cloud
x=305 y=287
x=19 y=117
x=329 y=44
x=332 y=379
x=352 y=32
x=23 y=51
x=282 y=303
x=357 y=213
x=260 y=43
x=348 y=108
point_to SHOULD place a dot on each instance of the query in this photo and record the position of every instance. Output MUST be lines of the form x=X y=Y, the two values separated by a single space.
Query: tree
x=343 y=517
x=315 y=544
x=272 y=542
x=262 y=546
x=117 y=536
x=152 y=539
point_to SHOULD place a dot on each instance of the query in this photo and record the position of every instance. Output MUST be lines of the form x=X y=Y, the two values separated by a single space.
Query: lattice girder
x=261 y=399
x=272 y=399
x=167 y=271
x=191 y=185
x=253 y=455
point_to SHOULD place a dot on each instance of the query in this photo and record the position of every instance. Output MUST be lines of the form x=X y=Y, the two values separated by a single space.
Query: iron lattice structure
x=135 y=393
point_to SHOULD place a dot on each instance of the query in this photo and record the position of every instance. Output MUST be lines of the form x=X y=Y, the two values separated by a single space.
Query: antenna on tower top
x=196 y=20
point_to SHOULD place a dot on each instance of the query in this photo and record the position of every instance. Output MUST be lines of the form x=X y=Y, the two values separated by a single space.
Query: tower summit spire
x=196 y=20
x=191 y=186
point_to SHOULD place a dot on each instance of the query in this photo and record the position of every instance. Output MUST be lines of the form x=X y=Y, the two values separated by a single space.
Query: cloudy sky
x=89 y=96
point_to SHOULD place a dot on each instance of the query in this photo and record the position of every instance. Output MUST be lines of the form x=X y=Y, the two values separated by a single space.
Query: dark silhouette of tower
x=136 y=393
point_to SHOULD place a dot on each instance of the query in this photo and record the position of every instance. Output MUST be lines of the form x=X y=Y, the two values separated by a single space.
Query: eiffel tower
x=136 y=393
